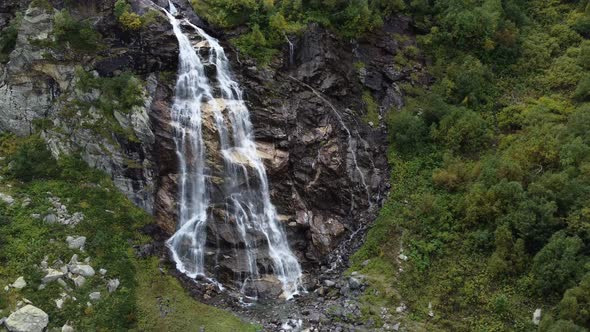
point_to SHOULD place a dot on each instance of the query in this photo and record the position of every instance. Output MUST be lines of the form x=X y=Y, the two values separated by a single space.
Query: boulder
x=95 y=296
x=52 y=275
x=27 y=319
x=537 y=316
x=67 y=328
x=79 y=281
x=50 y=218
x=7 y=199
x=83 y=270
x=76 y=242
x=19 y=283
x=113 y=285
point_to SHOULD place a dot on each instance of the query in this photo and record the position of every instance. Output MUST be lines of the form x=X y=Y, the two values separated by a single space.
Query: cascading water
x=245 y=202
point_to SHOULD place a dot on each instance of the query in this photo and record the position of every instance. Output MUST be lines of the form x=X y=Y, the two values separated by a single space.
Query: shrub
x=32 y=161
x=406 y=130
x=582 y=92
x=463 y=131
x=80 y=35
x=558 y=265
x=130 y=21
x=8 y=38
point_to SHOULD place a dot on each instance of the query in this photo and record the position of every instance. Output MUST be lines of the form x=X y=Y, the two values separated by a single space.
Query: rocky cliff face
x=326 y=165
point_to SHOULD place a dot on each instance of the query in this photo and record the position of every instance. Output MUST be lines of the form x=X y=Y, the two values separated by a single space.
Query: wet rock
x=27 y=319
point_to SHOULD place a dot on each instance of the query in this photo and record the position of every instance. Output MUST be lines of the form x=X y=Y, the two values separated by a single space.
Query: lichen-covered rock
x=27 y=319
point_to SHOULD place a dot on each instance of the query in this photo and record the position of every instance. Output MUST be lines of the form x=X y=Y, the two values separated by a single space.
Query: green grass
x=112 y=225
x=157 y=293
x=372 y=115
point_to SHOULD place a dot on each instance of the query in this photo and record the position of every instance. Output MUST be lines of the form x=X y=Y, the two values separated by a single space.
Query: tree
x=558 y=265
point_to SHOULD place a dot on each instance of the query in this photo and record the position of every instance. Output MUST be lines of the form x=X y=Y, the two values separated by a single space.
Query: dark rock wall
x=307 y=117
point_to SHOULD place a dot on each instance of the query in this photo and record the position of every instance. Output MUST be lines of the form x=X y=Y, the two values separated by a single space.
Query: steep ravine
x=326 y=164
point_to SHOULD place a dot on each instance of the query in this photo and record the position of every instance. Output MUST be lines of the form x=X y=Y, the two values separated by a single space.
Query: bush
x=558 y=266
x=582 y=92
x=8 y=38
x=80 y=35
x=33 y=161
x=130 y=21
x=407 y=131
x=463 y=131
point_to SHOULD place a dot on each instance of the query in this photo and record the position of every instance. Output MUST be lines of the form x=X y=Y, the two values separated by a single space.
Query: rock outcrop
x=27 y=319
x=326 y=165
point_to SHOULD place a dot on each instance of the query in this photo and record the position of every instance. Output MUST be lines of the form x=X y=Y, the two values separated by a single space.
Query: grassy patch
x=372 y=115
x=163 y=305
x=111 y=225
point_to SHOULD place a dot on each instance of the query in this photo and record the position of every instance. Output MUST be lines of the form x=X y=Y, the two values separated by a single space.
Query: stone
x=113 y=285
x=95 y=296
x=19 y=283
x=7 y=199
x=430 y=312
x=395 y=327
x=76 y=242
x=52 y=275
x=354 y=283
x=41 y=287
x=537 y=316
x=62 y=283
x=329 y=283
x=79 y=281
x=401 y=308
x=59 y=303
x=402 y=257
x=50 y=218
x=83 y=270
x=67 y=328
x=102 y=272
x=27 y=319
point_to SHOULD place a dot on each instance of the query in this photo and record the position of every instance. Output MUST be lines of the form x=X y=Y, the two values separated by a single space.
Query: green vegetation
x=490 y=172
x=80 y=35
x=157 y=292
x=372 y=109
x=111 y=224
x=8 y=38
x=130 y=20
x=270 y=21
x=114 y=96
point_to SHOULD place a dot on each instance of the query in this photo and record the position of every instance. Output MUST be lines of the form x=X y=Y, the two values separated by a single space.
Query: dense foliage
x=491 y=170
x=271 y=21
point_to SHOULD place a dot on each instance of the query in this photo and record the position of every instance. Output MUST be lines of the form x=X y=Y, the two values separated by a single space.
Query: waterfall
x=291 y=51
x=205 y=90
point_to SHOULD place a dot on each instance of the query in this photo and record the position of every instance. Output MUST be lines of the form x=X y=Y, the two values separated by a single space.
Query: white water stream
x=245 y=184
